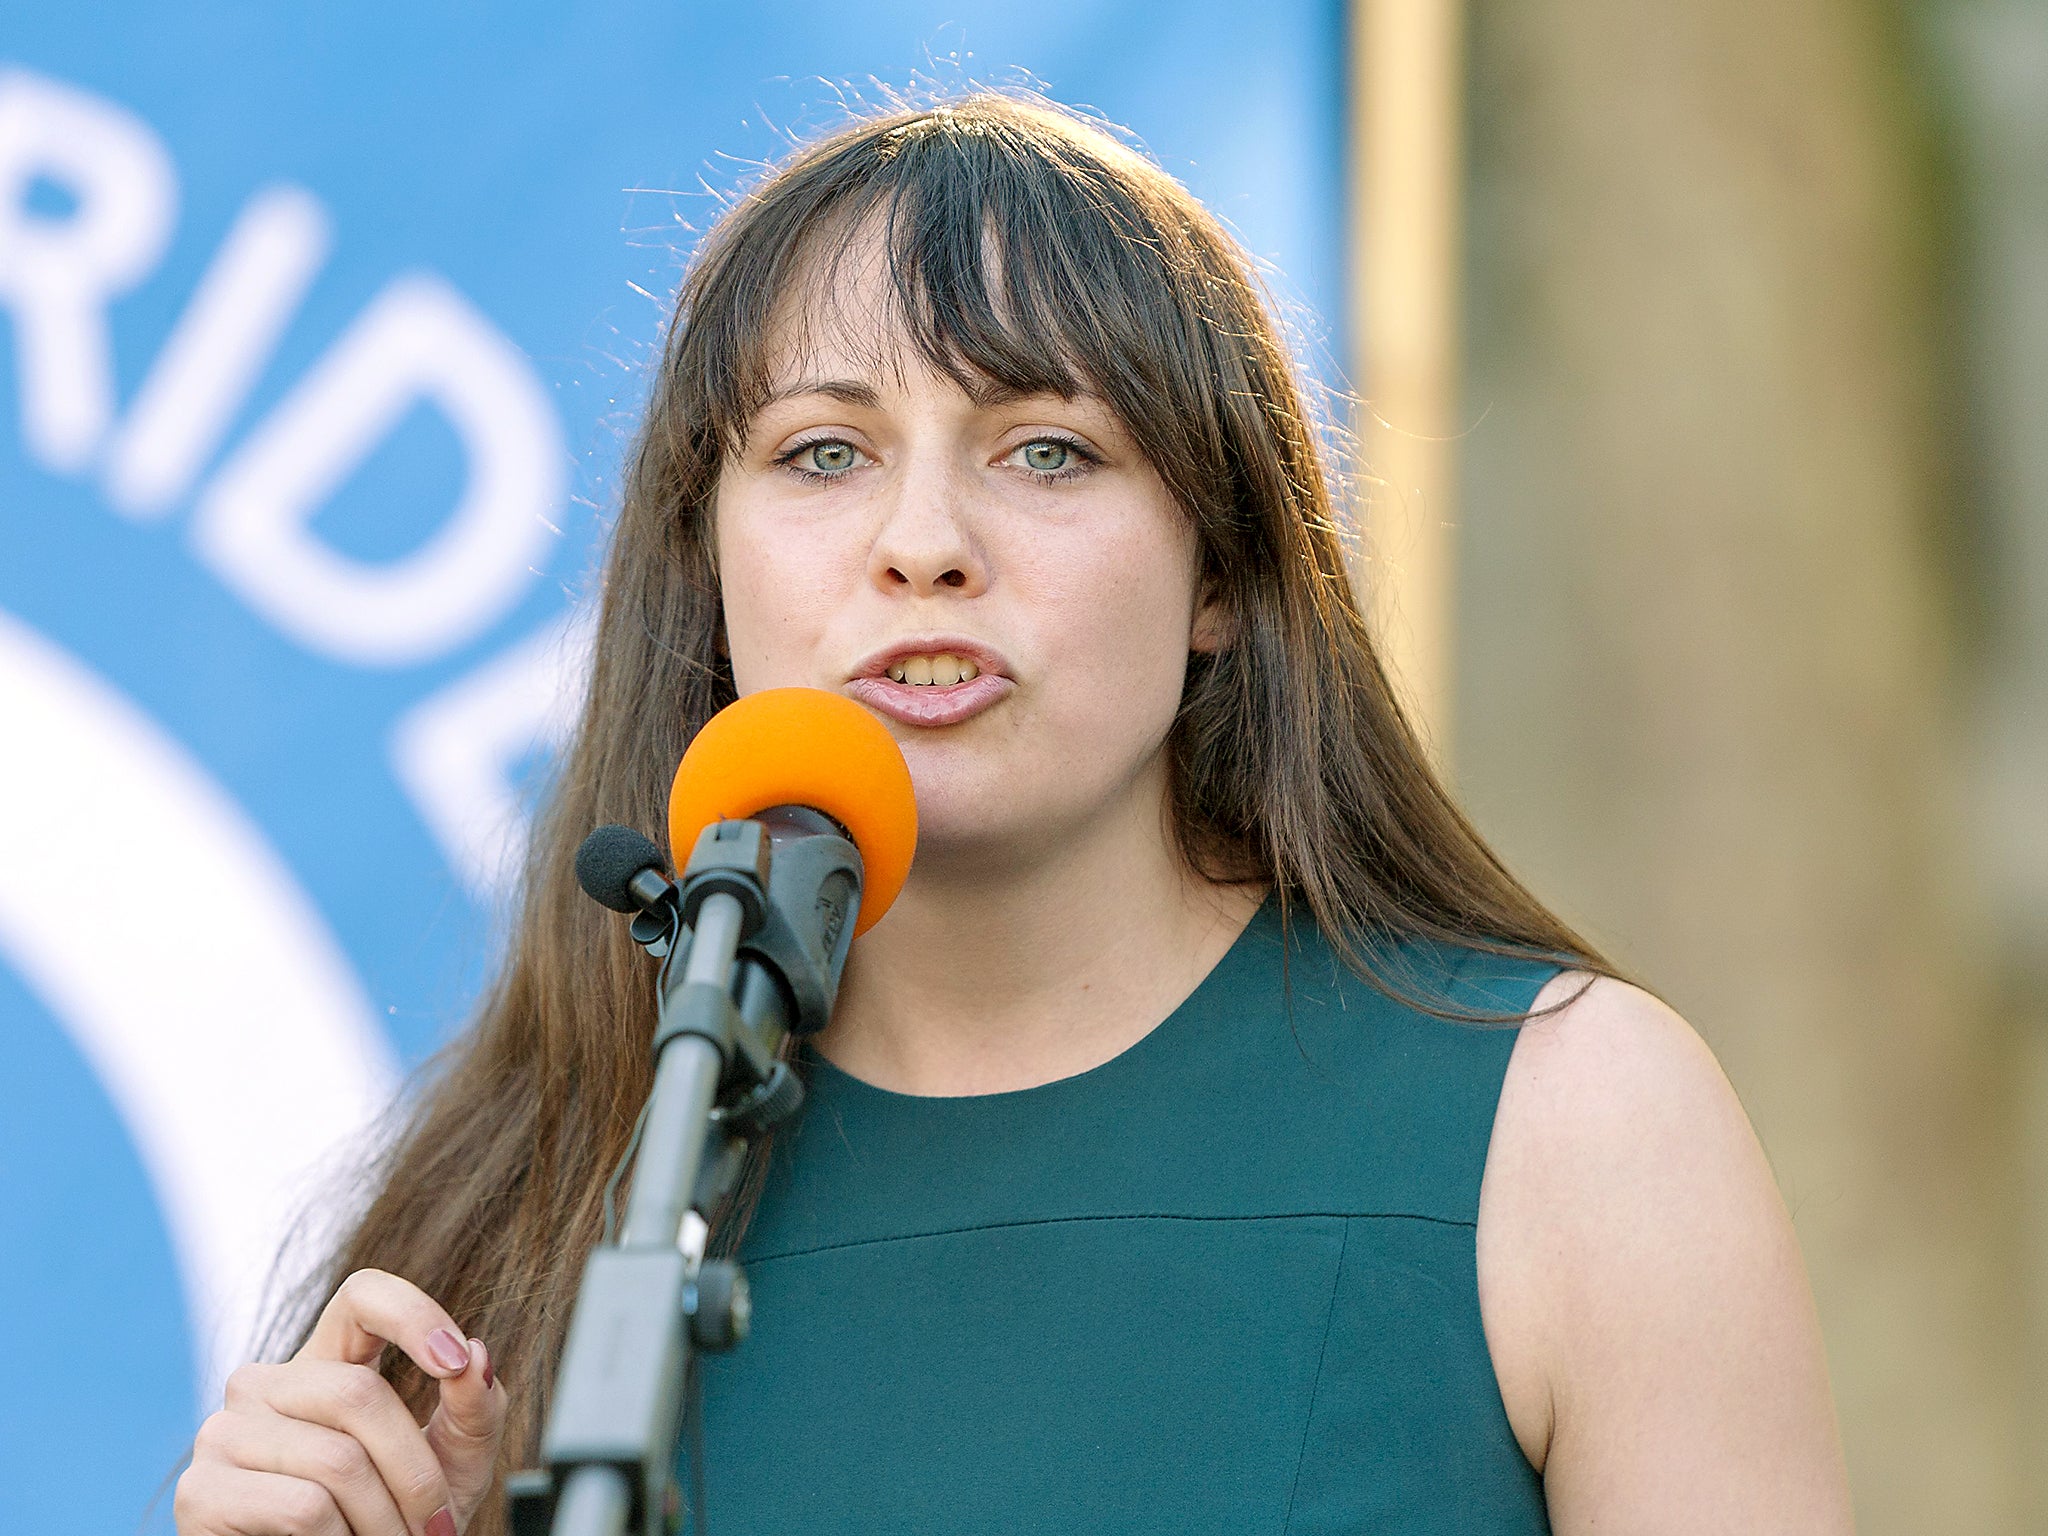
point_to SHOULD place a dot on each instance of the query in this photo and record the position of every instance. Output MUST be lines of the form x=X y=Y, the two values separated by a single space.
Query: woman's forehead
x=838 y=302
x=855 y=299
x=829 y=345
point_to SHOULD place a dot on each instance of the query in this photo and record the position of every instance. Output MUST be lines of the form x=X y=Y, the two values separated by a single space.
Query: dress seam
x=1308 y=1426
x=1057 y=1221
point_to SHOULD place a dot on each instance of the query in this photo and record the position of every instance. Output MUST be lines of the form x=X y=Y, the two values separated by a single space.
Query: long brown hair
x=1031 y=248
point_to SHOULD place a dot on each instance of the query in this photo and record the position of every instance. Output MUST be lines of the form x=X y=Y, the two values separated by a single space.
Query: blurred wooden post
x=1713 y=691
x=1406 y=73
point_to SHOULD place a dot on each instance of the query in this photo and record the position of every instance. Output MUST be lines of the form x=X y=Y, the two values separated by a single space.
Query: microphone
x=809 y=749
x=792 y=806
x=621 y=869
x=817 y=772
x=799 y=760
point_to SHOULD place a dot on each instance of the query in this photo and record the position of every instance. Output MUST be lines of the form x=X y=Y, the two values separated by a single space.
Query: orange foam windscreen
x=803 y=746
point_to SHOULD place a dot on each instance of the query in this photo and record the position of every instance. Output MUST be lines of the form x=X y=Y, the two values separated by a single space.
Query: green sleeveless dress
x=1224 y=1282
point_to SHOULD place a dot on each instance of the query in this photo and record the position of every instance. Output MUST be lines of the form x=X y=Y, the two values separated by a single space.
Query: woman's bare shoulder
x=1641 y=1285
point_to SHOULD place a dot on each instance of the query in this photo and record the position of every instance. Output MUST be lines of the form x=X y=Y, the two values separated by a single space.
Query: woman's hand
x=323 y=1446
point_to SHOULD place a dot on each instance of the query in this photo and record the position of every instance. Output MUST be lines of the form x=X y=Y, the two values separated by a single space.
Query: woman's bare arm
x=1643 y=1293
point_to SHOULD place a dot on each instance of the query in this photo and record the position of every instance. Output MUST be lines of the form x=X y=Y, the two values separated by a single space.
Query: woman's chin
x=958 y=843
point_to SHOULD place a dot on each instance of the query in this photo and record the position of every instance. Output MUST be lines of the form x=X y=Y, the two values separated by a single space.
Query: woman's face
x=1004 y=581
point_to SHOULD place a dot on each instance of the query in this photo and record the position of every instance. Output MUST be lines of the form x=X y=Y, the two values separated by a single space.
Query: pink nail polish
x=443 y=1523
x=449 y=1352
x=477 y=1347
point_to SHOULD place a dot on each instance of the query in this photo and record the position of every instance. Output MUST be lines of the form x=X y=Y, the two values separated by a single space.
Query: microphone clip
x=621 y=869
x=654 y=929
x=731 y=859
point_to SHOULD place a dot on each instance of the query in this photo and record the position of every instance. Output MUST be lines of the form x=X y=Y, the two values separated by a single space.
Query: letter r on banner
x=58 y=274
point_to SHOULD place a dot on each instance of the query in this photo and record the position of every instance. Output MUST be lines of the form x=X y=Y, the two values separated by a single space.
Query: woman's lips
x=929 y=703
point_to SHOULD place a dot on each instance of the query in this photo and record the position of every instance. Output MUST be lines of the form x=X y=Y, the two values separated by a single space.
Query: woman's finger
x=359 y=1403
x=218 y=1500
x=466 y=1427
x=371 y=1308
x=270 y=1442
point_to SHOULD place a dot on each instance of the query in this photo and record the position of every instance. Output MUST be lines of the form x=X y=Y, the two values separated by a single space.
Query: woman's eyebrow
x=986 y=393
x=990 y=395
x=846 y=391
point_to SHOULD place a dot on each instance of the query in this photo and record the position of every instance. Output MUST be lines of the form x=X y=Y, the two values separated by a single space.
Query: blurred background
x=1705 y=509
x=1751 y=639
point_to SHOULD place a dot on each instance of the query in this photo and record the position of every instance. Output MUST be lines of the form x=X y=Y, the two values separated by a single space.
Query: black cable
x=611 y=1185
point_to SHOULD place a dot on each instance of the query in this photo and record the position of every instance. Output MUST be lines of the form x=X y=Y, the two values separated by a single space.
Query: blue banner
x=325 y=327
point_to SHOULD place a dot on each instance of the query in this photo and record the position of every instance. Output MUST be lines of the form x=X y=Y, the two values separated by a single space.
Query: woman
x=1168 y=1165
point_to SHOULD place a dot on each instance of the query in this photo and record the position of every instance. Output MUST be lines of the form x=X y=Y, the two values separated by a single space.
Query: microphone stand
x=753 y=947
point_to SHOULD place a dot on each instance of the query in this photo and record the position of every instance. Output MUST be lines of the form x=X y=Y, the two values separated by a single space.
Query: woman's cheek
x=1126 y=636
x=773 y=612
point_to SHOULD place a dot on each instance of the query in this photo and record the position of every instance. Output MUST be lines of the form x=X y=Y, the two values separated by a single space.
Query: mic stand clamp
x=749 y=960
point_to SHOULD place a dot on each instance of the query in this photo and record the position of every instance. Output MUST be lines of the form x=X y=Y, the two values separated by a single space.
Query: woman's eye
x=1053 y=457
x=824 y=458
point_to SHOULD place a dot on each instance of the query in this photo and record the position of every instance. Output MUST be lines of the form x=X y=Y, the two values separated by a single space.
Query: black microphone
x=621 y=869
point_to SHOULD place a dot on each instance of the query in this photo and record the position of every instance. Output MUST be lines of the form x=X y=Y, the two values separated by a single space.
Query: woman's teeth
x=939 y=671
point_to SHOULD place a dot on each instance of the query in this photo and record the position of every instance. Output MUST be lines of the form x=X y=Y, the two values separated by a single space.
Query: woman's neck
x=990 y=975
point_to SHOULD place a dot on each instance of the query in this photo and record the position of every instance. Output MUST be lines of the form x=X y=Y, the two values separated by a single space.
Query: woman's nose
x=925 y=543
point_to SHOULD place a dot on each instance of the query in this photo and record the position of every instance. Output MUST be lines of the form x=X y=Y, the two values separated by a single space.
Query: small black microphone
x=621 y=869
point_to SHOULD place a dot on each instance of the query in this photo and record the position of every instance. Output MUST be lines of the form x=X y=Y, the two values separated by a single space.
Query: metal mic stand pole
x=642 y=1279
x=614 y=1422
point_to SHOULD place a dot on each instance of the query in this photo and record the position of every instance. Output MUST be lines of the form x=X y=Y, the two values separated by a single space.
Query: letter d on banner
x=418 y=340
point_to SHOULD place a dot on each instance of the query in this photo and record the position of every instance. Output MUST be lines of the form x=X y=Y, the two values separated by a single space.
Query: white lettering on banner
x=418 y=341
x=227 y=1027
x=229 y=330
x=58 y=275
x=456 y=752
x=230 y=1030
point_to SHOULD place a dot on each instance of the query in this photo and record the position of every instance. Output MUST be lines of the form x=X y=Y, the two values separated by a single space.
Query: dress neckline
x=823 y=1073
